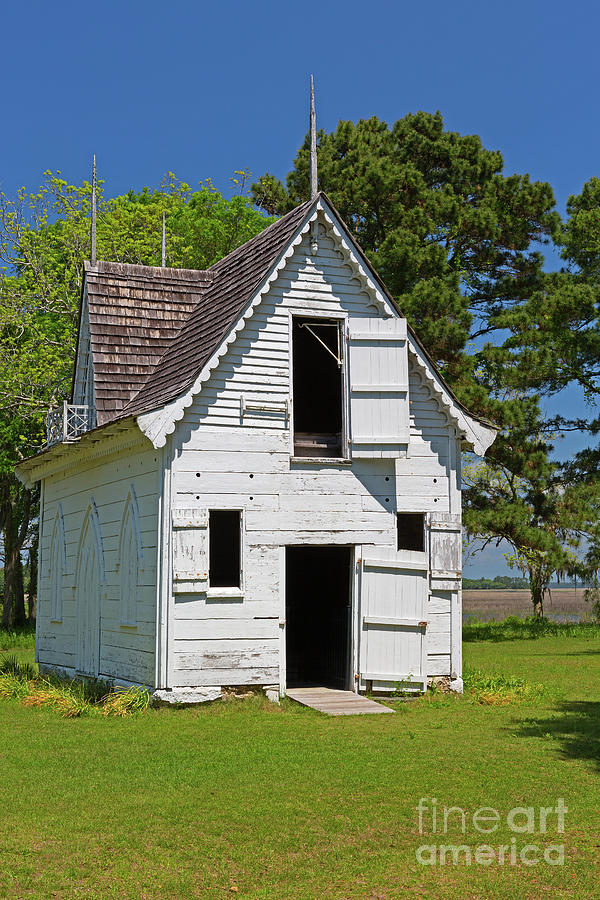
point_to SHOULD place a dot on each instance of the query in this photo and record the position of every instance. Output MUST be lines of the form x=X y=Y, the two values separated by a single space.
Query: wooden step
x=336 y=703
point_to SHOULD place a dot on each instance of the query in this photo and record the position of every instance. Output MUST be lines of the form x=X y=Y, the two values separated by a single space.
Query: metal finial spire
x=313 y=143
x=163 y=258
x=93 y=226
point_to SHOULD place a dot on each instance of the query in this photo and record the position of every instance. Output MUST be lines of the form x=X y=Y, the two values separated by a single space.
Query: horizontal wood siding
x=224 y=459
x=126 y=653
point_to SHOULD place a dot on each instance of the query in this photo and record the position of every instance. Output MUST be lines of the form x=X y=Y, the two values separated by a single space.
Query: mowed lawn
x=247 y=799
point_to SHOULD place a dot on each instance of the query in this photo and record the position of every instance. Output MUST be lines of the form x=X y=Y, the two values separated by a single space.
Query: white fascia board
x=362 y=272
x=103 y=441
x=475 y=435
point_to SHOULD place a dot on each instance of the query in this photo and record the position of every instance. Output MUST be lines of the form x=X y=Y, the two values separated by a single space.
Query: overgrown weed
x=22 y=637
x=71 y=699
x=490 y=689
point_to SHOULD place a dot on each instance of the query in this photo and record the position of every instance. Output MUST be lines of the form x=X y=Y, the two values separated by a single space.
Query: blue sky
x=203 y=89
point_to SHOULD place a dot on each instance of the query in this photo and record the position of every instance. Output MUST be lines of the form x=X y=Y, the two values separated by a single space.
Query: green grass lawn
x=249 y=799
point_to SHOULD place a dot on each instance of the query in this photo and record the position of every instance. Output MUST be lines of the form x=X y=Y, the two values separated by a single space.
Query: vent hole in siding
x=435 y=500
x=197 y=474
x=435 y=480
x=197 y=496
x=252 y=498
x=387 y=477
x=251 y=476
x=387 y=499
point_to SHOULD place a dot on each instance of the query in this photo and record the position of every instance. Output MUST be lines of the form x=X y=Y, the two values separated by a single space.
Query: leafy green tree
x=519 y=494
x=44 y=239
x=453 y=237
x=457 y=242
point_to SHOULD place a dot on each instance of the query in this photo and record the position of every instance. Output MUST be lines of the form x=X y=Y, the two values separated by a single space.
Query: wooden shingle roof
x=152 y=330
x=234 y=281
x=135 y=313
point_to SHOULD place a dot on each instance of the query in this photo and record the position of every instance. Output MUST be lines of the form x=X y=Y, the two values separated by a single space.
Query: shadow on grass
x=575 y=725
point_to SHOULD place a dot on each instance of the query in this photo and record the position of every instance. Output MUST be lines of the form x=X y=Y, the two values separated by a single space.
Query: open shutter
x=190 y=551
x=445 y=549
x=379 y=415
x=393 y=628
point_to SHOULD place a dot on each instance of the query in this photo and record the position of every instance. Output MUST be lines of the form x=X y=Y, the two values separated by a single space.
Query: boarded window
x=130 y=559
x=317 y=388
x=224 y=539
x=411 y=531
x=57 y=567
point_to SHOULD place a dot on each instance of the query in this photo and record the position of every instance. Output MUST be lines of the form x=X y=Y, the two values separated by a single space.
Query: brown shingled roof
x=135 y=312
x=233 y=282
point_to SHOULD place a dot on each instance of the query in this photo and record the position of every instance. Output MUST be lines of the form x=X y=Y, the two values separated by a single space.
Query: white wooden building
x=257 y=481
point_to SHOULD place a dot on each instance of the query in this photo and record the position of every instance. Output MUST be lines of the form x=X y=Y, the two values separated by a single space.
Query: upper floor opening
x=317 y=387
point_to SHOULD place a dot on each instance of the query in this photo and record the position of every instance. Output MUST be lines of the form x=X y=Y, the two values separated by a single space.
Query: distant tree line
x=499 y=583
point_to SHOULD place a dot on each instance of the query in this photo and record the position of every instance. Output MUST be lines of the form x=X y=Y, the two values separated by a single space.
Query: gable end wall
x=224 y=459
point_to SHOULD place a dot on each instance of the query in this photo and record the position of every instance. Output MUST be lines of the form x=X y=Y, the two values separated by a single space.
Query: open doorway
x=318 y=616
x=317 y=387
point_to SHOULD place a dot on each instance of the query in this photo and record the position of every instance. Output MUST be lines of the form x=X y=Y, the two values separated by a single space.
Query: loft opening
x=224 y=548
x=317 y=390
x=318 y=616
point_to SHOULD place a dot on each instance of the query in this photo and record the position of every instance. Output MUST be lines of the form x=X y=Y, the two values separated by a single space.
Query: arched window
x=58 y=563
x=90 y=576
x=130 y=560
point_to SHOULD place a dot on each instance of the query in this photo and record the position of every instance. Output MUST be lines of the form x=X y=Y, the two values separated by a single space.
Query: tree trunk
x=14 y=515
x=537 y=588
x=19 y=600
x=33 y=577
x=11 y=554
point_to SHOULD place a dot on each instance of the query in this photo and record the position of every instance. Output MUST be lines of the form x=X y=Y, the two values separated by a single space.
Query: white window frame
x=225 y=593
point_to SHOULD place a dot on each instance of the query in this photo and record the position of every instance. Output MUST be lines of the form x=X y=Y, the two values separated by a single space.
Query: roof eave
x=51 y=454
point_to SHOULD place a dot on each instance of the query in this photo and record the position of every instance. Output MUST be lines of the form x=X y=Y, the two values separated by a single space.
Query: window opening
x=224 y=539
x=317 y=387
x=411 y=531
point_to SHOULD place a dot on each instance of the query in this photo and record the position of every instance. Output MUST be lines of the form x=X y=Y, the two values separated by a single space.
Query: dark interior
x=411 y=531
x=317 y=388
x=318 y=615
x=224 y=548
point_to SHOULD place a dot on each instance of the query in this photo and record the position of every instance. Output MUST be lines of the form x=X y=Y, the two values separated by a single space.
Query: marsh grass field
x=246 y=798
x=561 y=605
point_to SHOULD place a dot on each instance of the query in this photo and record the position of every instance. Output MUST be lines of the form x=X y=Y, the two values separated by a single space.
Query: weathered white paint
x=83 y=387
x=58 y=564
x=109 y=508
x=89 y=579
x=222 y=459
x=378 y=368
x=131 y=559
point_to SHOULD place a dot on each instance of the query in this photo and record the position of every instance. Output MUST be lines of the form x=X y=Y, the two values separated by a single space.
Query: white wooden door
x=378 y=381
x=393 y=603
